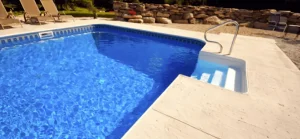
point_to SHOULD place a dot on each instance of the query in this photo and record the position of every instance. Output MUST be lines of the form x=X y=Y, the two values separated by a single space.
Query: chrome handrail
x=234 y=38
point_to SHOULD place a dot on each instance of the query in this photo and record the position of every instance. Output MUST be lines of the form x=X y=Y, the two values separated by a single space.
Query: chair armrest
x=282 y=23
x=10 y=14
x=25 y=17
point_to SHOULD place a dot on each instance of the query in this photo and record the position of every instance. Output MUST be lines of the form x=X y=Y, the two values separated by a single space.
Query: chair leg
x=2 y=26
x=21 y=24
x=285 y=27
x=274 y=26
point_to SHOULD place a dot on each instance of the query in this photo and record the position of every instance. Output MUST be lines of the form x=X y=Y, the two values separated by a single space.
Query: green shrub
x=169 y=1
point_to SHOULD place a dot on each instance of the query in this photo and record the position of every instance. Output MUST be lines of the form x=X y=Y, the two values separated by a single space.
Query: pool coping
x=183 y=112
x=17 y=39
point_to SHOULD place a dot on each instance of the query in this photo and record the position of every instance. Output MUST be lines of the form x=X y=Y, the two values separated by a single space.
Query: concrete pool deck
x=191 y=109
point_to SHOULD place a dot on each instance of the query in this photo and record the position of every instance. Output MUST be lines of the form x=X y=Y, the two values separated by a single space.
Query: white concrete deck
x=191 y=109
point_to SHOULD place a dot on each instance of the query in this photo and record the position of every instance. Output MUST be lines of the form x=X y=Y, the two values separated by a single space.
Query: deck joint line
x=187 y=124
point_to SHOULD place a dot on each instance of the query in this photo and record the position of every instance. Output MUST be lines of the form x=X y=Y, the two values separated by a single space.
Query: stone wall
x=165 y=13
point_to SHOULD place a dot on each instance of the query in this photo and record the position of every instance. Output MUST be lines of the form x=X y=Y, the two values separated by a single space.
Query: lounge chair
x=32 y=12
x=293 y=26
x=51 y=9
x=5 y=18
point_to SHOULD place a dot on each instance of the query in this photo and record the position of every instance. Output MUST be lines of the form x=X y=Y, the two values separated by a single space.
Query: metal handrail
x=234 y=38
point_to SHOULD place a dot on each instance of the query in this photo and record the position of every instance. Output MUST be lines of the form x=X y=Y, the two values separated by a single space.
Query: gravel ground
x=290 y=45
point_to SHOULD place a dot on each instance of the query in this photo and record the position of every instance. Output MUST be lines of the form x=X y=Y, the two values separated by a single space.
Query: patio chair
x=283 y=22
x=33 y=13
x=5 y=18
x=274 y=20
x=51 y=9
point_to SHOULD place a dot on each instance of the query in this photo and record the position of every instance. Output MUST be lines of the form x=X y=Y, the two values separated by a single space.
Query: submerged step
x=217 y=78
x=226 y=72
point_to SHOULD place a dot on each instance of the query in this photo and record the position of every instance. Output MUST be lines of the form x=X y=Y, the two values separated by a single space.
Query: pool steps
x=235 y=76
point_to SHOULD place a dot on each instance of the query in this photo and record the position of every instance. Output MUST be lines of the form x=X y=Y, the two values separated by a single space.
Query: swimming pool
x=86 y=82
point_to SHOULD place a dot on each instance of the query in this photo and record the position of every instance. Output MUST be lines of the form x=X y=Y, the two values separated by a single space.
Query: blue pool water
x=92 y=85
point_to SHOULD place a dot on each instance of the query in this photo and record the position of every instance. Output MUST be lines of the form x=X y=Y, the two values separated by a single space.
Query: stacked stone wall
x=186 y=14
